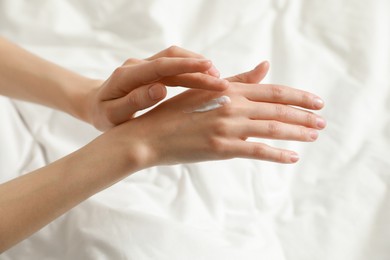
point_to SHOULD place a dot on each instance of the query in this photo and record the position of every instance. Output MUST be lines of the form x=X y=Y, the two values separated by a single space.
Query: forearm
x=27 y=77
x=32 y=201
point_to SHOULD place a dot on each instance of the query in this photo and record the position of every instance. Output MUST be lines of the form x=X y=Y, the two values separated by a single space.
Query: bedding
x=333 y=204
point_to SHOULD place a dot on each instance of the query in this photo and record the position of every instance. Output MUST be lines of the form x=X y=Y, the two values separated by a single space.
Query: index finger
x=130 y=77
x=175 y=51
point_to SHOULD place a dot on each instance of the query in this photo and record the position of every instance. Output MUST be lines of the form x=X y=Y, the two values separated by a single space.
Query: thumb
x=123 y=109
x=144 y=97
x=253 y=76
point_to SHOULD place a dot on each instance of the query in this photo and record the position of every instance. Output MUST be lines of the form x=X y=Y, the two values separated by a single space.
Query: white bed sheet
x=334 y=204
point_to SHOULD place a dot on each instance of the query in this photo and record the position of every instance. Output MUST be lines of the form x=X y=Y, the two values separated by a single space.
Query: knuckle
x=281 y=112
x=172 y=50
x=160 y=61
x=158 y=66
x=204 y=79
x=259 y=151
x=221 y=128
x=310 y=119
x=227 y=111
x=277 y=92
x=237 y=89
x=303 y=133
x=284 y=157
x=274 y=129
x=306 y=99
x=239 y=78
x=118 y=71
x=134 y=100
x=130 y=61
x=216 y=145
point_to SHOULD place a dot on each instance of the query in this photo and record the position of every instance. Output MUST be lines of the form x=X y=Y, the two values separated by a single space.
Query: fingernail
x=156 y=92
x=320 y=122
x=294 y=157
x=313 y=135
x=214 y=72
x=318 y=103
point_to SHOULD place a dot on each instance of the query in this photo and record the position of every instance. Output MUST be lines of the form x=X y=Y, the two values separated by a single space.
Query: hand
x=139 y=84
x=169 y=135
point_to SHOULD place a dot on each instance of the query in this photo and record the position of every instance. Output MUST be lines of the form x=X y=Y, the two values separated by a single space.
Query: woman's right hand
x=169 y=134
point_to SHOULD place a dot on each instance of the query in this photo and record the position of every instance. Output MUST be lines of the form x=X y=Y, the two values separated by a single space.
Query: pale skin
x=163 y=136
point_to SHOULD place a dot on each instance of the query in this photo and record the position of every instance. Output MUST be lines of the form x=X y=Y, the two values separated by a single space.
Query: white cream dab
x=212 y=104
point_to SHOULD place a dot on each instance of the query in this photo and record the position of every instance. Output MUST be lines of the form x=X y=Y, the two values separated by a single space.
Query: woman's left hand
x=139 y=84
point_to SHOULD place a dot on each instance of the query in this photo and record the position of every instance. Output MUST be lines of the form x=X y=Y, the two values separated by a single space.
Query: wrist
x=133 y=146
x=81 y=99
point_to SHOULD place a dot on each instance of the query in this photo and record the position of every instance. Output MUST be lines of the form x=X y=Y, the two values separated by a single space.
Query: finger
x=196 y=81
x=284 y=95
x=129 y=77
x=271 y=129
x=123 y=109
x=260 y=151
x=286 y=114
x=253 y=76
x=175 y=51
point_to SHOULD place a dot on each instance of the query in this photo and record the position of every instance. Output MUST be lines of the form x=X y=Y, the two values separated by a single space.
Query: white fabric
x=334 y=204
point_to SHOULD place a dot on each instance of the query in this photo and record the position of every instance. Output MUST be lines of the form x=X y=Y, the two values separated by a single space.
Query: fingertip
x=263 y=65
x=313 y=135
x=266 y=64
x=318 y=103
x=214 y=72
x=294 y=157
x=157 y=92
x=320 y=123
